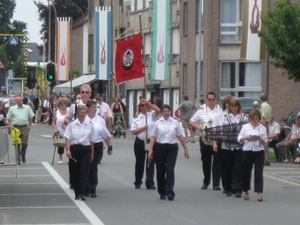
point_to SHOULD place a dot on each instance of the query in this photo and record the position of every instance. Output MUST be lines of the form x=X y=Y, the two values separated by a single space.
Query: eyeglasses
x=211 y=99
x=85 y=92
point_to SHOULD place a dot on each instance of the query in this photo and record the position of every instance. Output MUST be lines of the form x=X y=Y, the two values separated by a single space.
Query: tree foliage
x=64 y=8
x=283 y=37
x=10 y=54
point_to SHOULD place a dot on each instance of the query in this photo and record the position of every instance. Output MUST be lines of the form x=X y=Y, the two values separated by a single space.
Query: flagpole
x=145 y=88
x=171 y=54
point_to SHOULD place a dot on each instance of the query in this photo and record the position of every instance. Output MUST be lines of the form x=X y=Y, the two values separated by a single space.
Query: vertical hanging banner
x=103 y=40
x=63 y=48
x=160 y=40
x=126 y=2
x=129 y=59
x=253 y=47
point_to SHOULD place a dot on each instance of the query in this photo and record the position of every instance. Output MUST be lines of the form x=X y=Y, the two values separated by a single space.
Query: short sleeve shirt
x=19 y=115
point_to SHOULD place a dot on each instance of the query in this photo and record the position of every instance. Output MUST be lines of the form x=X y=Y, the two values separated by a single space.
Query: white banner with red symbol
x=103 y=40
x=63 y=48
x=253 y=47
x=160 y=40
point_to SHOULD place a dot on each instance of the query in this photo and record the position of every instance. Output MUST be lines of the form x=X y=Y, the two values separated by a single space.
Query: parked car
x=247 y=104
x=288 y=122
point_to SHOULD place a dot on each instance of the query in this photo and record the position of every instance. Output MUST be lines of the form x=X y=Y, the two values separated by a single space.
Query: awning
x=66 y=87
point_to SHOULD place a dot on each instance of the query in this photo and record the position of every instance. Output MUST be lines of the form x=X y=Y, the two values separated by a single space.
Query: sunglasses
x=211 y=99
x=85 y=92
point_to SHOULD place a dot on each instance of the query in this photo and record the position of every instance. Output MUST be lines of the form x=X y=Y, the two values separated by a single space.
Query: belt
x=25 y=125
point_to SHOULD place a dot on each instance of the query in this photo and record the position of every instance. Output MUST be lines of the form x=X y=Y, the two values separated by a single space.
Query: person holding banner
x=142 y=126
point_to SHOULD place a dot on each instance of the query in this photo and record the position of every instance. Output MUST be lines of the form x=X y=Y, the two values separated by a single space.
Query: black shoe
x=204 y=187
x=238 y=194
x=151 y=187
x=23 y=160
x=93 y=195
x=162 y=197
x=82 y=197
x=124 y=134
x=228 y=193
x=171 y=197
x=71 y=187
x=77 y=197
x=137 y=186
x=217 y=188
x=267 y=163
x=224 y=192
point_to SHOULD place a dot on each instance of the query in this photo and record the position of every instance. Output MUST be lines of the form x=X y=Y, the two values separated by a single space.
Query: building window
x=184 y=78
x=185 y=18
x=139 y=5
x=231 y=20
x=91 y=49
x=241 y=79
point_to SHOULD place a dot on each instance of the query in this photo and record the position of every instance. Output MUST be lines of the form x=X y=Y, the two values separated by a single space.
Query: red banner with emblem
x=129 y=59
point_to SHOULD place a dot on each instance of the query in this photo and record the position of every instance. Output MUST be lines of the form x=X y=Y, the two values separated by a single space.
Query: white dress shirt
x=247 y=130
x=101 y=132
x=140 y=121
x=80 y=134
x=167 y=131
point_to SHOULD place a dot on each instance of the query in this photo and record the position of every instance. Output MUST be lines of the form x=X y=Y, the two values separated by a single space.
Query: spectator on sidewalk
x=274 y=133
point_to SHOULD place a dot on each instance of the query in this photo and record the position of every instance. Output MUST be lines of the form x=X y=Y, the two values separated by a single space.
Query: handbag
x=59 y=140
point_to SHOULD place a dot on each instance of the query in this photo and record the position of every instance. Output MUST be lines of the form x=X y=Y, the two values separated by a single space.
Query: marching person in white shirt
x=140 y=127
x=164 y=149
x=79 y=136
x=232 y=151
x=101 y=134
x=254 y=137
x=201 y=119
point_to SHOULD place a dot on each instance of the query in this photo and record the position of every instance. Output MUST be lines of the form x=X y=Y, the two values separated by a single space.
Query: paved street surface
x=41 y=194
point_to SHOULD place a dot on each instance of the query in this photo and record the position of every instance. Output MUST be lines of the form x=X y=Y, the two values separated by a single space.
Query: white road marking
x=86 y=211
x=47 y=135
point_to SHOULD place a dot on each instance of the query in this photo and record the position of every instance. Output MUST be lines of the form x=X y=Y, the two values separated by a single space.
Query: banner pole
x=145 y=88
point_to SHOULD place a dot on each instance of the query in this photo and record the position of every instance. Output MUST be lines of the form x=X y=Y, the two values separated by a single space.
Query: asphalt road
x=41 y=194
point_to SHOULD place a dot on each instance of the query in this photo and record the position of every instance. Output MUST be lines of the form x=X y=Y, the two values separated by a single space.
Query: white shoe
x=286 y=161
x=61 y=162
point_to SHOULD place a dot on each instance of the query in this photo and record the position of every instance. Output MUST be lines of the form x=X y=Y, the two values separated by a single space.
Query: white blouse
x=101 y=132
x=80 y=133
x=140 y=121
x=167 y=131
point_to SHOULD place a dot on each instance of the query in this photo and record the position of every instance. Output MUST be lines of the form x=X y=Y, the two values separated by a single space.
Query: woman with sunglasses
x=142 y=128
x=164 y=149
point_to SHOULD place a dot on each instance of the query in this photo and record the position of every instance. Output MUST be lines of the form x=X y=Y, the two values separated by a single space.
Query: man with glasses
x=85 y=95
x=201 y=119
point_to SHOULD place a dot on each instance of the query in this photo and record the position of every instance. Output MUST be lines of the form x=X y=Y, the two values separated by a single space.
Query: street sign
x=13 y=40
x=2 y=67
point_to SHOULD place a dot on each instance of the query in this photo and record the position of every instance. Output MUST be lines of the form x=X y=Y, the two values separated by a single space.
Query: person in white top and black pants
x=101 y=133
x=254 y=137
x=79 y=136
x=164 y=149
x=203 y=117
x=140 y=127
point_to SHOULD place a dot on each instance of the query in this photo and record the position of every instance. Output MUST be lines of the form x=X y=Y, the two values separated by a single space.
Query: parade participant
x=101 y=134
x=164 y=149
x=80 y=149
x=58 y=123
x=21 y=116
x=104 y=111
x=140 y=127
x=253 y=136
x=232 y=152
x=205 y=116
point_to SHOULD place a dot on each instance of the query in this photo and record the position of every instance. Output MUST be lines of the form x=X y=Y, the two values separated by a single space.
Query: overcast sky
x=26 y=11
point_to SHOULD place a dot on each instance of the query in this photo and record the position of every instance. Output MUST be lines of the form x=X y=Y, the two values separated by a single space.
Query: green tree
x=64 y=8
x=10 y=53
x=283 y=37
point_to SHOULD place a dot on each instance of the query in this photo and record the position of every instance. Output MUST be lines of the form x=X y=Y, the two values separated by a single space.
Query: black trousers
x=258 y=159
x=273 y=144
x=165 y=156
x=233 y=170
x=141 y=157
x=93 y=172
x=79 y=170
x=210 y=161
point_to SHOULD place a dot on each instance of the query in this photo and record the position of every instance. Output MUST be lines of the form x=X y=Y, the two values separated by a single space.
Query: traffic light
x=50 y=72
x=31 y=81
